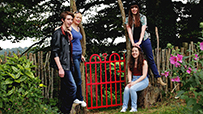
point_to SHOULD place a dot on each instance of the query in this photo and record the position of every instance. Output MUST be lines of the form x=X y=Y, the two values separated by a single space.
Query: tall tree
x=161 y=14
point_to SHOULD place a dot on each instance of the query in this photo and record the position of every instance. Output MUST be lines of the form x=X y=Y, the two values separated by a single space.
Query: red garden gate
x=105 y=80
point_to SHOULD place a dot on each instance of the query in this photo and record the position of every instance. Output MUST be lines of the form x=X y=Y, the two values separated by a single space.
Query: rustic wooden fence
x=50 y=77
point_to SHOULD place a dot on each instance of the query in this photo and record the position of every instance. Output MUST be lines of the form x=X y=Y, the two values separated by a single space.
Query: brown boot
x=159 y=80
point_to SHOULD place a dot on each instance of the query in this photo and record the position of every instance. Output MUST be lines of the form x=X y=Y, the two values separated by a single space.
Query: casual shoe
x=133 y=110
x=159 y=80
x=77 y=101
x=83 y=103
x=123 y=110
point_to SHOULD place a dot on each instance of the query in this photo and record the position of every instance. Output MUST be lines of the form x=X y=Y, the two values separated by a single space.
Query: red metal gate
x=105 y=80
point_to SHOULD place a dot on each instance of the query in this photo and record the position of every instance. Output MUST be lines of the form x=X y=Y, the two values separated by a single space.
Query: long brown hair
x=137 y=17
x=140 y=60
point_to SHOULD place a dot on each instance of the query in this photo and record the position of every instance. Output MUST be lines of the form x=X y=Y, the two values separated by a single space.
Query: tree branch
x=40 y=42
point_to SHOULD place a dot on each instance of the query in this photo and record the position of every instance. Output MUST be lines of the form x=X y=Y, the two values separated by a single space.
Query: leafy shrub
x=20 y=90
x=190 y=74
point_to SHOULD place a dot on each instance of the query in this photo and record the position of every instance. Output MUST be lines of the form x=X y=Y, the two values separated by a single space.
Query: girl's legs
x=147 y=48
x=77 y=78
x=126 y=95
x=137 y=87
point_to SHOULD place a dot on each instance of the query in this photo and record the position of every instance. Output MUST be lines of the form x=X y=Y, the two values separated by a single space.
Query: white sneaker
x=123 y=110
x=133 y=110
x=77 y=101
x=83 y=103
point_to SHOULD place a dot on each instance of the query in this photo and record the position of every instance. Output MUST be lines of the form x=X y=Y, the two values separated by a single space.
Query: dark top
x=61 y=47
x=136 y=72
x=137 y=32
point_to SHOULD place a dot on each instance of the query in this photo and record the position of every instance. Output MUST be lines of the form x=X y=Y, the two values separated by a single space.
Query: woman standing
x=136 y=24
x=77 y=56
x=137 y=78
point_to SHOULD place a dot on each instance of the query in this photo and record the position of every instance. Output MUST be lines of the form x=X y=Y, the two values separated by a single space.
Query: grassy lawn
x=167 y=106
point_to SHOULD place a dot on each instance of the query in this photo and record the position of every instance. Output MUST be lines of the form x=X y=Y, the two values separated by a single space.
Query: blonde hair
x=80 y=15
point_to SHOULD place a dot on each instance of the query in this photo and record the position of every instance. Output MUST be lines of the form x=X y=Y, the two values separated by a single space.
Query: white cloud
x=9 y=44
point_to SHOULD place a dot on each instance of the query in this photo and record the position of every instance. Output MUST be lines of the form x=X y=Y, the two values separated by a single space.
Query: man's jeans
x=77 y=73
x=132 y=92
x=68 y=92
x=147 y=48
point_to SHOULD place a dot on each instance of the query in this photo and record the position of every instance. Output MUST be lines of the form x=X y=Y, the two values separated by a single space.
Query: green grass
x=172 y=106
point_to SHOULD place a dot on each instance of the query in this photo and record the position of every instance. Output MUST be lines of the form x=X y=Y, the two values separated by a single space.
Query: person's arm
x=144 y=73
x=60 y=68
x=129 y=29
x=55 y=47
x=129 y=77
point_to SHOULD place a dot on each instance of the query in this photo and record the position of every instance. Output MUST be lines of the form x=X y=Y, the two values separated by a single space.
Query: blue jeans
x=132 y=92
x=77 y=73
x=68 y=92
x=147 y=48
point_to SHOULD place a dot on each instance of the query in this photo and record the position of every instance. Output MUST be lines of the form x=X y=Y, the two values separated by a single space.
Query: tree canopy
x=36 y=19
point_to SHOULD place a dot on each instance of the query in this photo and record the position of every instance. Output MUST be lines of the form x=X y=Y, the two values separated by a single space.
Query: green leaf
x=15 y=69
x=21 y=79
x=8 y=81
x=1 y=104
x=12 y=75
x=196 y=107
x=25 y=94
x=191 y=102
x=180 y=93
x=18 y=75
x=27 y=65
x=15 y=56
x=30 y=74
x=11 y=91
x=19 y=66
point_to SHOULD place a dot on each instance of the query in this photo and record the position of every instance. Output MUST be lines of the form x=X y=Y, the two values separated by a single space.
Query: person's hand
x=70 y=35
x=133 y=44
x=83 y=58
x=129 y=84
x=138 y=44
x=61 y=73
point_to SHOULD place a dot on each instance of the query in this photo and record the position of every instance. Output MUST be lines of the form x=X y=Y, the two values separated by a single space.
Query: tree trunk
x=77 y=108
x=126 y=33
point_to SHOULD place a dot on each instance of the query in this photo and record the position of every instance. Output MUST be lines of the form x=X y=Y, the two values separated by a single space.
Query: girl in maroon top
x=137 y=78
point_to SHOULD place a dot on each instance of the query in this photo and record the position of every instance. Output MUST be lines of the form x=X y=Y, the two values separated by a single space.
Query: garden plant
x=20 y=90
x=188 y=73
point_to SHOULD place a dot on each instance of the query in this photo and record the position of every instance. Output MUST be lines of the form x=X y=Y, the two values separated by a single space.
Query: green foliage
x=191 y=78
x=20 y=90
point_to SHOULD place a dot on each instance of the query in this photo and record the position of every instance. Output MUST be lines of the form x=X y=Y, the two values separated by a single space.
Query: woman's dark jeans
x=147 y=48
x=77 y=73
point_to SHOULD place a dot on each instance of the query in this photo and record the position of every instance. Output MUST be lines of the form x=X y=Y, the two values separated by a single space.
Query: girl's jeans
x=132 y=92
x=77 y=74
x=147 y=48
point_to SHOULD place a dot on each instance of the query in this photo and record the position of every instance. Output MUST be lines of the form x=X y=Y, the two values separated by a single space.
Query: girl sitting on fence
x=137 y=78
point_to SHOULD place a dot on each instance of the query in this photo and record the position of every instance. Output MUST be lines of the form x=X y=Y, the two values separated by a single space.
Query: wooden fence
x=50 y=77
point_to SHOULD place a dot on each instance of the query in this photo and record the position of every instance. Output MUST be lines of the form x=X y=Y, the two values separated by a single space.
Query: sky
x=29 y=42
x=8 y=44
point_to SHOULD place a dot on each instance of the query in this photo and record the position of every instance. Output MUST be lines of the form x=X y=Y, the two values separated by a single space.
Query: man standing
x=61 y=59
